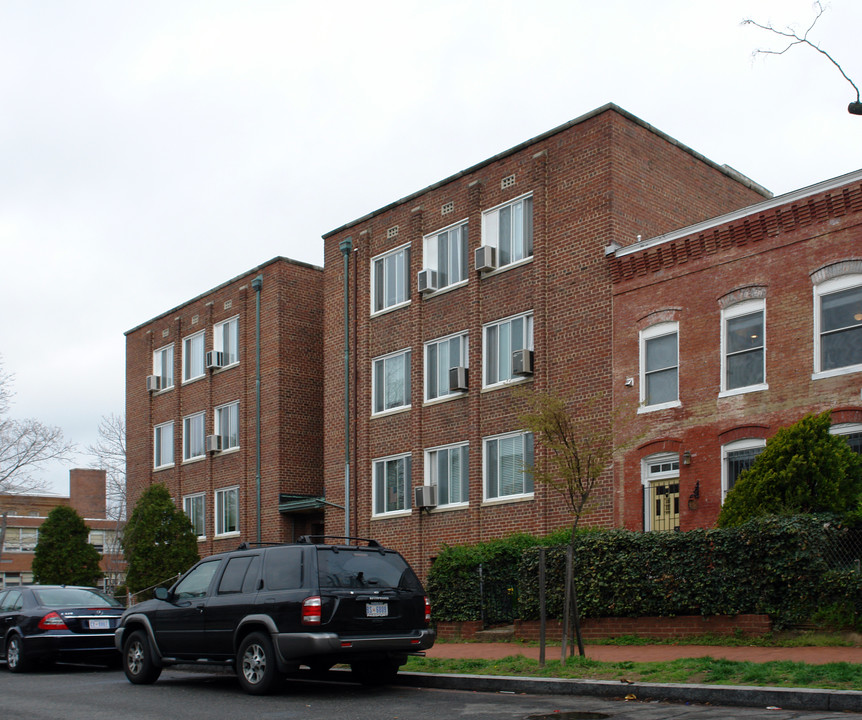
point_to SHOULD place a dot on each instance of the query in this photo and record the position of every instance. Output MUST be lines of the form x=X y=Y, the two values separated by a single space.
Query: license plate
x=100 y=624
x=376 y=610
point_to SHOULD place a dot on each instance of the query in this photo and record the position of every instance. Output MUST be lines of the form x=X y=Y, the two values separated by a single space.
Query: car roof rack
x=312 y=540
x=247 y=545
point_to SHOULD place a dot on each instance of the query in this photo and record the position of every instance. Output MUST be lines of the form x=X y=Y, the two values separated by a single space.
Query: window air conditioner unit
x=213 y=443
x=154 y=382
x=486 y=258
x=522 y=362
x=215 y=359
x=427 y=281
x=457 y=379
x=425 y=496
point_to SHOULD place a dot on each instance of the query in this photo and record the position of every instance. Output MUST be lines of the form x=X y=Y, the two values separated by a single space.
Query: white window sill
x=445 y=398
x=162 y=391
x=232 y=533
x=188 y=381
x=393 y=514
x=743 y=390
x=163 y=467
x=234 y=364
x=444 y=290
x=517 y=263
x=393 y=411
x=392 y=308
x=202 y=538
x=662 y=406
x=507 y=383
x=227 y=451
x=450 y=507
x=490 y=502
x=196 y=459
x=837 y=371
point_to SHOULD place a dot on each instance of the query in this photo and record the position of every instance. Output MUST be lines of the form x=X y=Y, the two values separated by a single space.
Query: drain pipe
x=346 y=246
x=257 y=284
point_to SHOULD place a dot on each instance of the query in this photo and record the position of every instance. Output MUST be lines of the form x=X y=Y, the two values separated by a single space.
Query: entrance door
x=664 y=505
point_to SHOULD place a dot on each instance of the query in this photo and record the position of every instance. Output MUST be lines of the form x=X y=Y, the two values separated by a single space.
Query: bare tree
x=25 y=446
x=110 y=455
x=793 y=38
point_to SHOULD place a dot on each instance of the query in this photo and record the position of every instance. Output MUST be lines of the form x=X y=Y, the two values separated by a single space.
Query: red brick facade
x=773 y=256
x=603 y=178
x=291 y=313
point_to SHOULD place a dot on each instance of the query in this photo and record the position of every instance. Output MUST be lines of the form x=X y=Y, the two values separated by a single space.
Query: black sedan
x=44 y=623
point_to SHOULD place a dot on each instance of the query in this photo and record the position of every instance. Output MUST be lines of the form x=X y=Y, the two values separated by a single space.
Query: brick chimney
x=87 y=492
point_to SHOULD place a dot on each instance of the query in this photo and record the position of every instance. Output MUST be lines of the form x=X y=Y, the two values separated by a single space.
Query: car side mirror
x=161 y=593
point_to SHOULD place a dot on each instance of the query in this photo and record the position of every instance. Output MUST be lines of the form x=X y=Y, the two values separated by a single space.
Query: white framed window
x=447 y=469
x=227 y=511
x=193 y=356
x=445 y=252
x=163 y=366
x=20 y=539
x=838 y=326
x=500 y=340
x=440 y=356
x=226 y=340
x=852 y=432
x=96 y=538
x=736 y=457
x=193 y=436
x=194 y=507
x=660 y=478
x=743 y=347
x=506 y=459
x=392 y=484
x=659 y=366
x=390 y=279
x=390 y=384
x=227 y=425
x=163 y=445
x=509 y=229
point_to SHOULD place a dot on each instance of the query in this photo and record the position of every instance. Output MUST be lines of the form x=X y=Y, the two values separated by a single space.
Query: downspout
x=346 y=246
x=257 y=284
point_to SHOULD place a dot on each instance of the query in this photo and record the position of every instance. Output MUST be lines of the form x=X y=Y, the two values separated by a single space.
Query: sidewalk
x=650 y=653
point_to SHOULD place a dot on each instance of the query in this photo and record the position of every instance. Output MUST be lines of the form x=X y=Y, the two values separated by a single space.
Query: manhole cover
x=572 y=715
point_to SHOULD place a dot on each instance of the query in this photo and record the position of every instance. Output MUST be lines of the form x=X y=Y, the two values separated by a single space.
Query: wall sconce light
x=693 y=499
x=686 y=457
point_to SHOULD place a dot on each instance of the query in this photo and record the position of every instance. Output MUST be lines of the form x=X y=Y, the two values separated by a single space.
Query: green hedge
x=782 y=566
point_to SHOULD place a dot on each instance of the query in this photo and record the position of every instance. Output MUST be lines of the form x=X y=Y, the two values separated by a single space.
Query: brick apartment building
x=193 y=407
x=725 y=331
x=499 y=272
x=26 y=513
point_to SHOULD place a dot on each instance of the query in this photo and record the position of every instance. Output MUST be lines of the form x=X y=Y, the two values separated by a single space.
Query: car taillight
x=52 y=621
x=427 y=610
x=311 y=611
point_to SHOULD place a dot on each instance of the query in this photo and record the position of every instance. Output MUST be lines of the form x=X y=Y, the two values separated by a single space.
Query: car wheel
x=15 y=658
x=375 y=673
x=137 y=660
x=255 y=664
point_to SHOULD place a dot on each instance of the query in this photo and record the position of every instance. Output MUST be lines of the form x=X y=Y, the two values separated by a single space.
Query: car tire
x=255 y=664
x=375 y=673
x=16 y=661
x=138 y=662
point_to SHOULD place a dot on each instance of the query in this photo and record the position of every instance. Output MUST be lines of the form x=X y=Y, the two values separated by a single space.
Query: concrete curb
x=785 y=698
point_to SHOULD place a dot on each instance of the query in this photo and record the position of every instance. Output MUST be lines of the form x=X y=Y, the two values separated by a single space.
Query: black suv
x=268 y=610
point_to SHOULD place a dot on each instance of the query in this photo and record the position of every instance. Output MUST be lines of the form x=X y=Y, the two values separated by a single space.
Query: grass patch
x=832 y=676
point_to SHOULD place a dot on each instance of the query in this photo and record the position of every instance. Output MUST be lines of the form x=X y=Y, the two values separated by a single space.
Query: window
x=445 y=252
x=392 y=484
x=227 y=511
x=163 y=445
x=838 y=325
x=391 y=382
x=163 y=366
x=193 y=356
x=660 y=477
x=507 y=458
x=193 y=506
x=446 y=468
x=20 y=539
x=390 y=279
x=197 y=581
x=227 y=425
x=659 y=361
x=226 y=340
x=509 y=228
x=735 y=458
x=743 y=342
x=440 y=356
x=852 y=432
x=193 y=436
x=501 y=340
x=235 y=577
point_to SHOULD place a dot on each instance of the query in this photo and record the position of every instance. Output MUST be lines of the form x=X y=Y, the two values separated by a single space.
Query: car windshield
x=360 y=568
x=73 y=597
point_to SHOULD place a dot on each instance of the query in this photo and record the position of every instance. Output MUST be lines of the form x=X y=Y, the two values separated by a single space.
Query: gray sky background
x=152 y=150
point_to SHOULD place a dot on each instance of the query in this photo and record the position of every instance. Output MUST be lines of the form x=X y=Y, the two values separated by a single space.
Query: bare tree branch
x=109 y=454
x=795 y=39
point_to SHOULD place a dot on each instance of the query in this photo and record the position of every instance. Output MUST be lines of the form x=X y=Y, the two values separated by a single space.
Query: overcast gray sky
x=152 y=150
